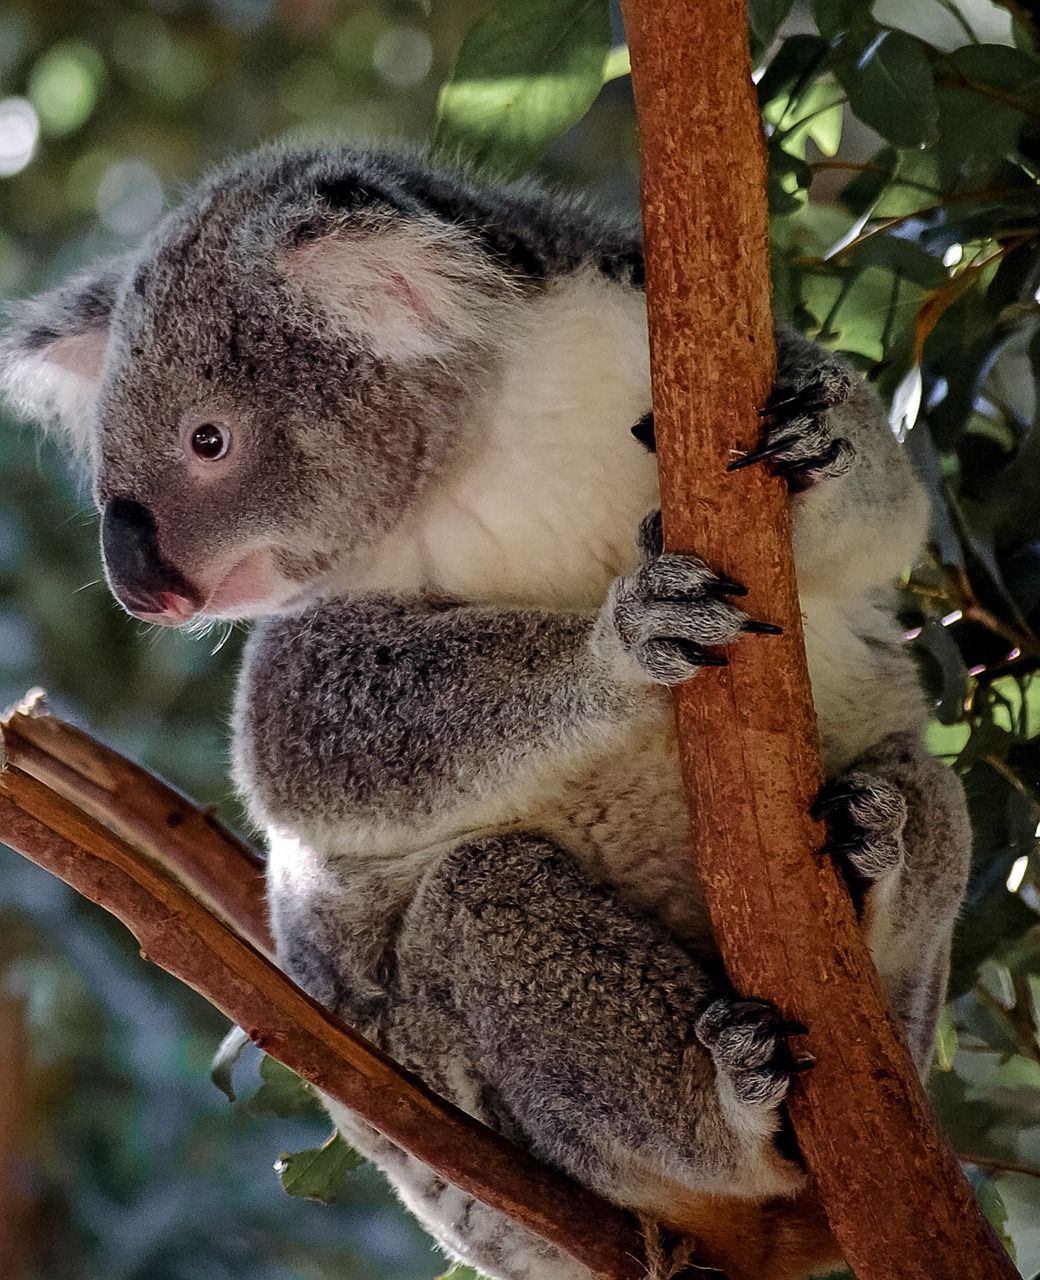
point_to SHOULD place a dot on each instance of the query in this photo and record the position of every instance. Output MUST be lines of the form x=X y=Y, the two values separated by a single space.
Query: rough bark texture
x=145 y=879
x=15 y=1103
x=896 y=1198
x=145 y=811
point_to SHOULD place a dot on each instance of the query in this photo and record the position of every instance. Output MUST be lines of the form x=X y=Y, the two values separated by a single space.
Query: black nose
x=130 y=543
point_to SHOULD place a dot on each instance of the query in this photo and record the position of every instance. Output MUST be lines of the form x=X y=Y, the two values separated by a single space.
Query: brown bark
x=145 y=879
x=15 y=1101
x=147 y=812
x=896 y=1198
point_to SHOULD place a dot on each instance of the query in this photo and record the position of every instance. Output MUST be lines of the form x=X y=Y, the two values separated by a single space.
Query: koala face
x=266 y=389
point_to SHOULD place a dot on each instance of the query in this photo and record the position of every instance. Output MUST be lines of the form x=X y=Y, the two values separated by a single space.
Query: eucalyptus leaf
x=282 y=1093
x=945 y=1039
x=526 y=72
x=320 y=1172
x=985 y=99
x=891 y=87
x=991 y=1203
x=792 y=71
x=765 y=18
x=226 y=1058
x=904 y=257
x=835 y=17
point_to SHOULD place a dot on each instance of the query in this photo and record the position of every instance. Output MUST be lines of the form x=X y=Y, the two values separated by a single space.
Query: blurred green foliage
x=904 y=146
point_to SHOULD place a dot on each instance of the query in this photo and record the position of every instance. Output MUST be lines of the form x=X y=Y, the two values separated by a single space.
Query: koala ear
x=53 y=349
x=408 y=288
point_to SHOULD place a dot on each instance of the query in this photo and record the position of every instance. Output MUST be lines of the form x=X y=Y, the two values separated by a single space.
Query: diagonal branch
x=748 y=741
x=146 y=870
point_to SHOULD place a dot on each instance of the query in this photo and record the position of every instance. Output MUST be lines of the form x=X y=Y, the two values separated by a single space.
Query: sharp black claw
x=762 y=454
x=696 y=656
x=725 y=586
x=644 y=432
x=761 y=628
x=793 y=1028
x=814 y=398
x=802 y=1064
x=834 y=800
x=839 y=847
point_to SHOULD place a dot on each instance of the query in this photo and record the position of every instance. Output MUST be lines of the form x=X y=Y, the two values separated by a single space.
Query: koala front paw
x=865 y=816
x=747 y=1040
x=796 y=441
x=660 y=620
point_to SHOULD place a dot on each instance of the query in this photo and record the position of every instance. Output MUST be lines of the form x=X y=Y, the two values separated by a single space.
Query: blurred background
x=131 y=1164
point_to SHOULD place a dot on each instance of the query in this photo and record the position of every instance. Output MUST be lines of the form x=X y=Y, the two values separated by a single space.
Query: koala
x=402 y=420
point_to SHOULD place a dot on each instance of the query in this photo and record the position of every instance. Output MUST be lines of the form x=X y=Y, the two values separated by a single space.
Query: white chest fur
x=545 y=511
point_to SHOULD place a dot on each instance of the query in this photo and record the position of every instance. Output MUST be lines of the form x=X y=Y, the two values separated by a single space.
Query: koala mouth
x=155 y=590
x=248 y=589
x=252 y=586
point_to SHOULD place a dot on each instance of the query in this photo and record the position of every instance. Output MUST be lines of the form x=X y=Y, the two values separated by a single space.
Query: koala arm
x=376 y=707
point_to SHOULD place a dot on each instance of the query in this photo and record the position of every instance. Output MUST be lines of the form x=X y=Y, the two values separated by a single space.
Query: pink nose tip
x=172 y=610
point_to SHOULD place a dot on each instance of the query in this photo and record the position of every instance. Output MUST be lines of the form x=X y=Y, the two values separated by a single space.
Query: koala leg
x=465 y=1229
x=900 y=832
x=607 y=1048
x=594 y=1039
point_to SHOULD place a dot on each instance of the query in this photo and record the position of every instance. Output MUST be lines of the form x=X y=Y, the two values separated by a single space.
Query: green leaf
x=320 y=1172
x=945 y=1039
x=999 y=66
x=791 y=73
x=618 y=63
x=983 y=106
x=766 y=17
x=816 y=114
x=460 y=1273
x=525 y=73
x=903 y=257
x=225 y=1060
x=1023 y=36
x=890 y=86
x=789 y=177
x=835 y=17
x=282 y=1093
x=991 y=1203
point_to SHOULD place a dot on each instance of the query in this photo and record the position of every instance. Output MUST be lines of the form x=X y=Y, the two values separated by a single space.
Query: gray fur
x=452 y=720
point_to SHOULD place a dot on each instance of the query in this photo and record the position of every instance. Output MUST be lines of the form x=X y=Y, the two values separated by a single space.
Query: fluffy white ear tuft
x=408 y=290
x=53 y=350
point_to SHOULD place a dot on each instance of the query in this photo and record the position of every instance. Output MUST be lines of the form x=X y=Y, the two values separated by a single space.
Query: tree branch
x=147 y=812
x=748 y=742
x=145 y=870
x=15 y=1105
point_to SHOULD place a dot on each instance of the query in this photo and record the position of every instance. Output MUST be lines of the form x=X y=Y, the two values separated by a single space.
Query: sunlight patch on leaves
x=525 y=73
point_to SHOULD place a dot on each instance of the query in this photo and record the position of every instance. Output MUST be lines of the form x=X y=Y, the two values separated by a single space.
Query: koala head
x=270 y=384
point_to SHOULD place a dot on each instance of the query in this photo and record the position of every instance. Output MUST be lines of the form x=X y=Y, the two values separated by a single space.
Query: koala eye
x=210 y=441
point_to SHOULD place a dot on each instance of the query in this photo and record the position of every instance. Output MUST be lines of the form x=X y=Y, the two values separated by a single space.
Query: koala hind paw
x=865 y=816
x=796 y=441
x=747 y=1040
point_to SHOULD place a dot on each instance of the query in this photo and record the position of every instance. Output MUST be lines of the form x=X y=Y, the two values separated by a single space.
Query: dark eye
x=210 y=441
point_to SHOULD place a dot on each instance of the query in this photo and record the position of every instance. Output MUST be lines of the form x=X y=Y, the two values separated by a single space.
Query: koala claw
x=797 y=442
x=865 y=817
x=747 y=1040
x=831 y=388
x=664 y=617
